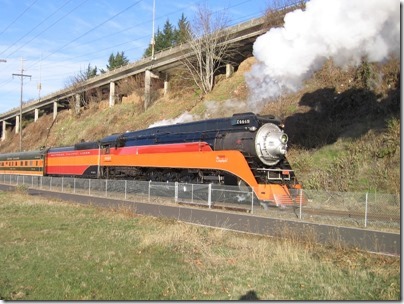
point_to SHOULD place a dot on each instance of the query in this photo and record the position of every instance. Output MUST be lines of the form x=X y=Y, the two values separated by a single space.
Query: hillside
x=343 y=125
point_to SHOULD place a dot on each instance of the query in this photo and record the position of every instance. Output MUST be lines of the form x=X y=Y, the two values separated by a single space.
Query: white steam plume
x=342 y=30
x=213 y=109
x=184 y=117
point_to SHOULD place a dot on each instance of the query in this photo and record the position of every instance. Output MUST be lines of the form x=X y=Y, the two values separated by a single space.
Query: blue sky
x=58 y=38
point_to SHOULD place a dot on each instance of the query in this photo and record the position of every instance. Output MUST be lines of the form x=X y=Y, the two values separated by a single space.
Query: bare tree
x=275 y=13
x=209 y=52
x=76 y=84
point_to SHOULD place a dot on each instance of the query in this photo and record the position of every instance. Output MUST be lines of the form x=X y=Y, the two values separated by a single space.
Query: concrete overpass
x=164 y=62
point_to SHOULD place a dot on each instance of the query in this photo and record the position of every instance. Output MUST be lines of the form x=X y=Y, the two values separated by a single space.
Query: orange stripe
x=31 y=173
x=72 y=161
x=230 y=161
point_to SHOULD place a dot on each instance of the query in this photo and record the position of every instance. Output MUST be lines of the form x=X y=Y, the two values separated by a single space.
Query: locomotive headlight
x=284 y=138
x=270 y=144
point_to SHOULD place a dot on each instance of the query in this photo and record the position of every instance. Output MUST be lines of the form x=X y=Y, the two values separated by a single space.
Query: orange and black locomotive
x=245 y=149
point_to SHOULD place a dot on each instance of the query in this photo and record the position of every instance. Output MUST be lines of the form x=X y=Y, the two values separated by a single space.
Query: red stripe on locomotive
x=167 y=148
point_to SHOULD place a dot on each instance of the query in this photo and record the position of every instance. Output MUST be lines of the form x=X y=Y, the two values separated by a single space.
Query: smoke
x=224 y=109
x=184 y=117
x=212 y=109
x=345 y=31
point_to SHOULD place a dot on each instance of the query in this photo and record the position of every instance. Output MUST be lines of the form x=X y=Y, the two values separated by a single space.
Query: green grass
x=58 y=251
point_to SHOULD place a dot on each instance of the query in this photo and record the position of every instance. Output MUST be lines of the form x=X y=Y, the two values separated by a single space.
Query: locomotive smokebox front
x=268 y=143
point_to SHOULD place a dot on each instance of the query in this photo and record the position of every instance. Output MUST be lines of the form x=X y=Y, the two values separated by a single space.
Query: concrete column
x=165 y=87
x=3 y=134
x=111 y=94
x=17 y=124
x=147 y=84
x=147 y=87
x=77 y=103
x=36 y=115
x=55 y=109
x=229 y=70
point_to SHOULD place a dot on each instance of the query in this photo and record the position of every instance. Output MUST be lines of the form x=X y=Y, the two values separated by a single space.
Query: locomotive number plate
x=241 y=122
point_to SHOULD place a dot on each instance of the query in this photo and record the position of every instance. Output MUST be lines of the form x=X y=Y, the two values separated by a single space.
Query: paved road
x=373 y=241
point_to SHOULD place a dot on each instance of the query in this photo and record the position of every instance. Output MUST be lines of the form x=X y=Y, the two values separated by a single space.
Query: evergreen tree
x=158 y=41
x=89 y=73
x=116 y=61
x=182 y=32
x=170 y=36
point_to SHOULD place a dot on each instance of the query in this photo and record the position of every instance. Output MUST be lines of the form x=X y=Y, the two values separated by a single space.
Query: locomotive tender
x=245 y=149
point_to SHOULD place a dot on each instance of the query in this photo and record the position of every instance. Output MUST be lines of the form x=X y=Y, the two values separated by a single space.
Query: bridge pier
x=17 y=124
x=36 y=114
x=3 y=134
x=166 y=86
x=147 y=87
x=147 y=83
x=77 y=104
x=111 y=94
x=229 y=70
x=55 y=109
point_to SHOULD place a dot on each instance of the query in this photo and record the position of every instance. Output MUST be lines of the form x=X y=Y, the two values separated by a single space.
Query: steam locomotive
x=245 y=149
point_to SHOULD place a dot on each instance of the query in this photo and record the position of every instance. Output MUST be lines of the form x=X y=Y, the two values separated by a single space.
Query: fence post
x=149 y=189
x=366 y=210
x=106 y=188
x=50 y=184
x=74 y=185
x=300 y=203
x=126 y=187
x=89 y=187
x=210 y=196
x=62 y=183
x=252 y=202
x=176 y=192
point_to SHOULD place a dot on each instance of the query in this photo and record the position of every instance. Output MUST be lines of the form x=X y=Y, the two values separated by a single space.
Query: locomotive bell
x=270 y=144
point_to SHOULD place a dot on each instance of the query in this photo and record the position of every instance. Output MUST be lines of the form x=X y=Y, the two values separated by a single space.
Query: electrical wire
x=104 y=37
x=21 y=46
x=18 y=17
x=89 y=31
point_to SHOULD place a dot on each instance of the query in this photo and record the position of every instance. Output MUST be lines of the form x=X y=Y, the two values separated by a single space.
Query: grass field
x=51 y=250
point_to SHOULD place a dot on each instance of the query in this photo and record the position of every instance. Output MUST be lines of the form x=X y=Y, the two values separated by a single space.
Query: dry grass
x=62 y=251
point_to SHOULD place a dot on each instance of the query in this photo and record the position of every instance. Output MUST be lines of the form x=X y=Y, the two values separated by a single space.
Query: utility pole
x=153 y=42
x=22 y=86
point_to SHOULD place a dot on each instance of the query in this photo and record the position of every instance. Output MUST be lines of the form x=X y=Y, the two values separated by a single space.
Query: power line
x=89 y=31
x=99 y=50
x=48 y=17
x=18 y=17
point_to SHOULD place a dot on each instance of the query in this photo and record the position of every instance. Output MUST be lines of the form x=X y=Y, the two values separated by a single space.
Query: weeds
x=61 y=251
x=22 y=189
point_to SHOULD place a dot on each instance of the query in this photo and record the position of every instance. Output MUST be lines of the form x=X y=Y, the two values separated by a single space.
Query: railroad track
x=353 y=214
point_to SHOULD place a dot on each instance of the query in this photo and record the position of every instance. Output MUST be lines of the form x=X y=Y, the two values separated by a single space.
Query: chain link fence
x=375 y=211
